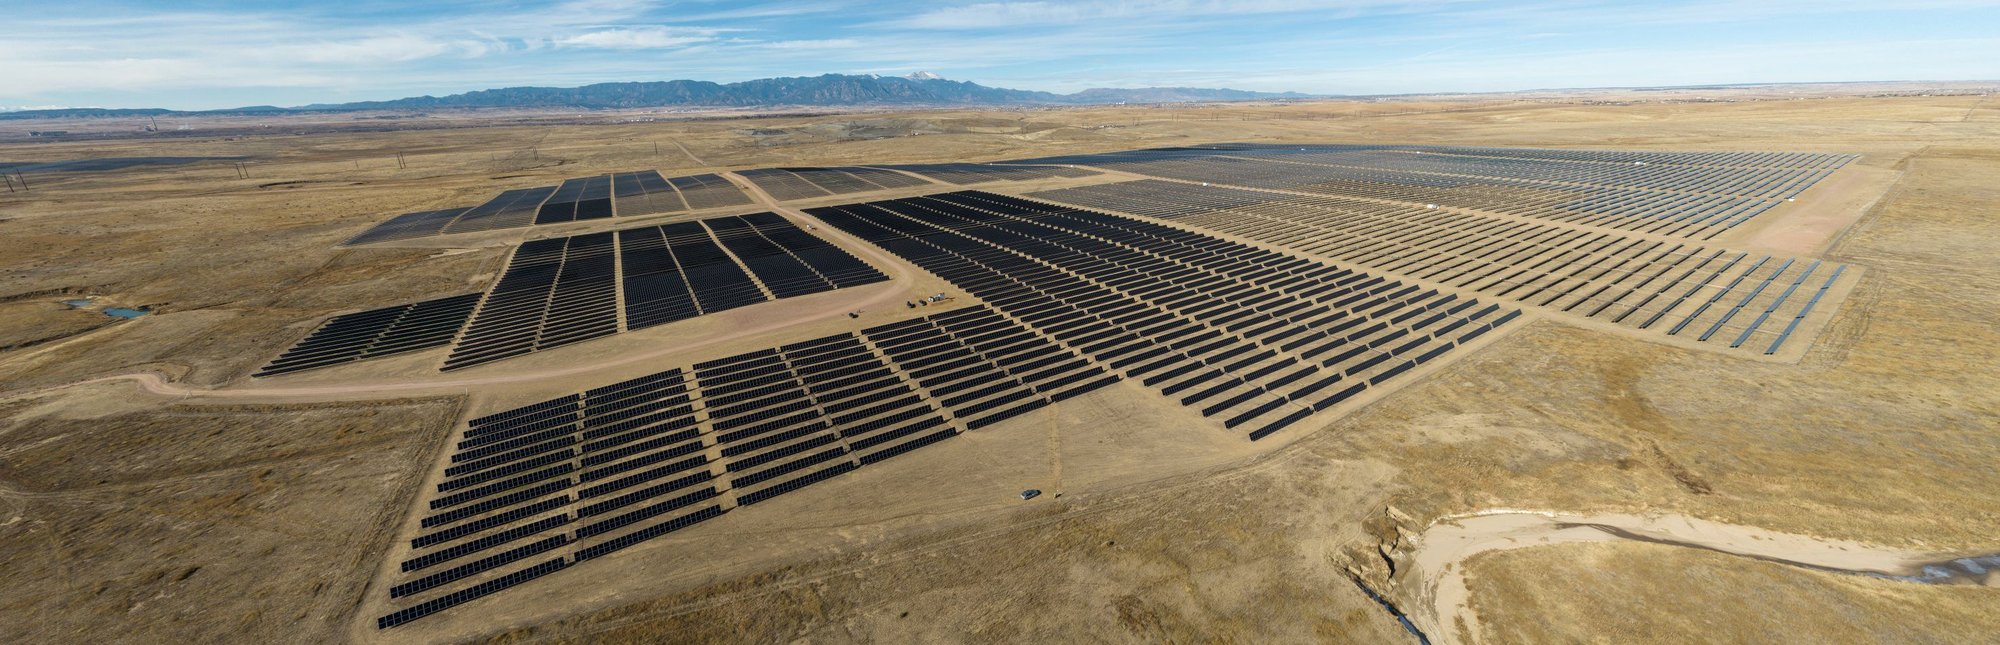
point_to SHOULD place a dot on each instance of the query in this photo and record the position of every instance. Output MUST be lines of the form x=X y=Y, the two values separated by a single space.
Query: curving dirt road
x=1442 y=550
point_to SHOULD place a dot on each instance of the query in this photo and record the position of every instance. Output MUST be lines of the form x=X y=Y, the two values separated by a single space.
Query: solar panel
x=1075 y=300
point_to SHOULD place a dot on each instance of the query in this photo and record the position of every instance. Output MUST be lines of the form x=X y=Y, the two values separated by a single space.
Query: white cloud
x=1589 y=14
x=639 y=38
x=1833 y=61
x=144 y=74
x=988 y=15
x=788 y=8
x=830 y=43
x=111 y=56
x=388 y=49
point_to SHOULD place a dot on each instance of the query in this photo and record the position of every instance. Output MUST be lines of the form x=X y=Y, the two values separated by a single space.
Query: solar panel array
x=805 y=183
x=1696 y=195
x=625 y=194
x=677 y=271
x=565 y=290
x=555 y=292
x=584 y=198
x=645 y=193
x=709 y=191
x=964 y=174
x=1076 y=301
x=574 y=478
x=1645 y=283
x=377 y=332
x=789 y=261
x=407 y=226
x=1696 y=158
x=512 y=209
x=1256 y=338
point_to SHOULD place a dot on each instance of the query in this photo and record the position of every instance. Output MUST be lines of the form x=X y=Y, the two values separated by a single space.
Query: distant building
x=47 y=133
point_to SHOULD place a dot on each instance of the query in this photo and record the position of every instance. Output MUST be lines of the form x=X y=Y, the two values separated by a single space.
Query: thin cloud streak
x=640 y=38
x=989 y=15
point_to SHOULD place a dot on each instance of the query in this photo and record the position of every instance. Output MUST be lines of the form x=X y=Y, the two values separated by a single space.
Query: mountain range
x=829 y=90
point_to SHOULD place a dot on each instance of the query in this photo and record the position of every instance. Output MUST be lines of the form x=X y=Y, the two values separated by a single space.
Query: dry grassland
x=141 y=518
x=1629 y=592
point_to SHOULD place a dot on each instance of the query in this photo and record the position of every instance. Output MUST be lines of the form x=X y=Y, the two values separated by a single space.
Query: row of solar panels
x=560 y=291
x=1578 y=271
x=587 y=474
x=1684 y=194
x=623 y=194
x=1230 y=327
x=646 y=192
x=1619 y=157
x=806 y=183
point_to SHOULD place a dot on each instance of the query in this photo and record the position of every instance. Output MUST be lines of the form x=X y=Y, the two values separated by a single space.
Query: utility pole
x=24 y=180
x=10 y=182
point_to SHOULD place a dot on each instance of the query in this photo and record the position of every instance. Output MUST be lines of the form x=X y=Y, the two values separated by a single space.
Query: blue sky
x=197 y=54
